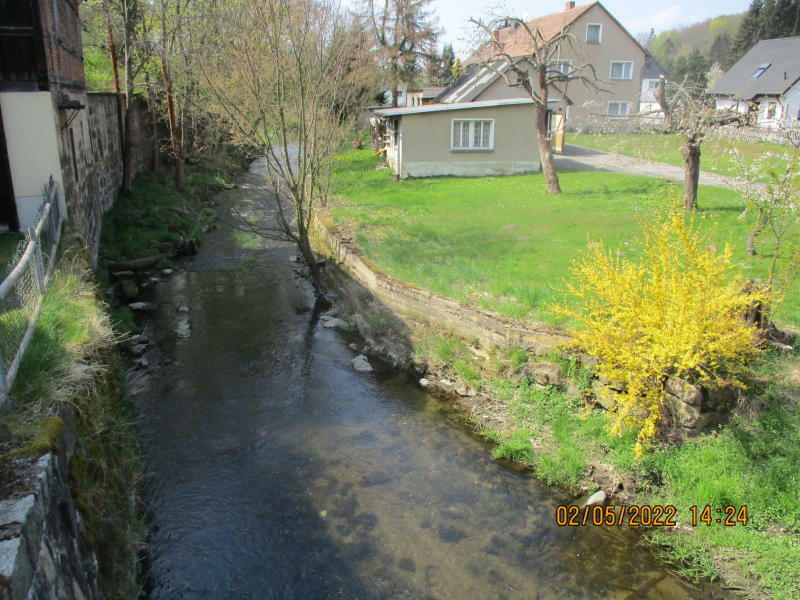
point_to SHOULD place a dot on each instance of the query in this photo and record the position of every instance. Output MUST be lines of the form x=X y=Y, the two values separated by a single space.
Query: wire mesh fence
x=22 y=290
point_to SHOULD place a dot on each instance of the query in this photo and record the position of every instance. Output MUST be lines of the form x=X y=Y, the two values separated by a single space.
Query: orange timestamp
x=646 y=515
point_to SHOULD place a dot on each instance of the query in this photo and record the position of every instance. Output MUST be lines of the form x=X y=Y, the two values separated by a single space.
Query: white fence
x=22 y=291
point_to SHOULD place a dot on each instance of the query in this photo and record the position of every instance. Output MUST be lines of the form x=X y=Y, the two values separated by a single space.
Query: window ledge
x=471 y=149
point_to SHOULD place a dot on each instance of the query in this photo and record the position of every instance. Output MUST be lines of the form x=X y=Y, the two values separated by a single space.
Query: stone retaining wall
x=416 y=302
x=91 y=159
x=42 y=555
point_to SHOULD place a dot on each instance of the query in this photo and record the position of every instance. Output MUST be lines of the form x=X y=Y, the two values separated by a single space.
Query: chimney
x=570 y=5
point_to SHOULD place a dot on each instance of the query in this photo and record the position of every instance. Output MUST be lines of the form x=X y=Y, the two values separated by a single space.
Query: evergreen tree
x=769 y=25
x=692 y=69
x=720 y=50
x=748 y=32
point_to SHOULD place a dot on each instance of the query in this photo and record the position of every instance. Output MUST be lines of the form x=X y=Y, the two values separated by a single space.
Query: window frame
x=472 y=121
x=557 y=64
x=760 y=70
x=599 y=33
x=620 y=62
x=618 y=115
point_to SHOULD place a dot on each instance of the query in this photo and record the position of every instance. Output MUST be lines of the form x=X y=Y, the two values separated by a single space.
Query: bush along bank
x=147 y=233
x=69 y=443
x=544 y=410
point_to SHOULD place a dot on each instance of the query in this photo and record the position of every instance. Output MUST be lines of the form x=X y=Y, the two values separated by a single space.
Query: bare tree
x=690 y=112
x=403 y=31
x=129 y=17
x=282 y=76
x=537 y=72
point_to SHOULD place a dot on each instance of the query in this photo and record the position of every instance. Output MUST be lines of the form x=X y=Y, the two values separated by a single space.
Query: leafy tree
x=692 y=70
x=720 y=50
x=440 y=66
x=749 y=30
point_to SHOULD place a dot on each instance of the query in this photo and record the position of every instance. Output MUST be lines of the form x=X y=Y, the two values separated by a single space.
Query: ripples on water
x=279 y=472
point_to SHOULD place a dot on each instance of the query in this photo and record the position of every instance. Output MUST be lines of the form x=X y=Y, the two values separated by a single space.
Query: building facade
x=623 y=72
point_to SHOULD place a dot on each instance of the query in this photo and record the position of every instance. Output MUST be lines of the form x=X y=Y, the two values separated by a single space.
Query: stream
x=279 y=472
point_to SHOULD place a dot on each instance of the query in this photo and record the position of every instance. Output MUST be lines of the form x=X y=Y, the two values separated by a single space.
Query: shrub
x=678 y=312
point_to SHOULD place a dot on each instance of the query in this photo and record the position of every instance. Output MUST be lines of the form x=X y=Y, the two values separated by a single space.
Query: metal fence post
x=3 y=384
x=38 y=264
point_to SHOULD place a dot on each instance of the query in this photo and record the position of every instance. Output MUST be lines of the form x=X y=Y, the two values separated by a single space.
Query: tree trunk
x=691 y=163
x=545 y=155
x=761 y=222
x=155 y=163
x=127 y=151
x=304 y=246
x=173 y=127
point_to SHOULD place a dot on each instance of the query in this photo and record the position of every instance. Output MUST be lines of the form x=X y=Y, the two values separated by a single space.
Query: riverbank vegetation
x=566 y=439
x=155 y=224
x=71 y=364
x=723 y=156
x=503 y=244
x=484 y=241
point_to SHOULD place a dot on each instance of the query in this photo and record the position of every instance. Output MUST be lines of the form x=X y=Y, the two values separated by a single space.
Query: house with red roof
x=623 y=70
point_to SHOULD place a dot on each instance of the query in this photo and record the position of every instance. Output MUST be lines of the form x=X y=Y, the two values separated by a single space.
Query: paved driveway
x=586 y=159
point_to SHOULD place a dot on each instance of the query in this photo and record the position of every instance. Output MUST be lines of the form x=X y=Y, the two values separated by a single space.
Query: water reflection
x=279 y=472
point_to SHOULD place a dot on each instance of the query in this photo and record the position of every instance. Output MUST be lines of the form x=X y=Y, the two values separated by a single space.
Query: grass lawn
x=504 y=244
x=717 y=152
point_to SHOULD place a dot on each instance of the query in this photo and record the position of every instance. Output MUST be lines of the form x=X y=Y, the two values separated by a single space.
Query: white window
x=561 y=66
x=472 y=134
x=594 y=33
x=618 y=109
x=621 y=70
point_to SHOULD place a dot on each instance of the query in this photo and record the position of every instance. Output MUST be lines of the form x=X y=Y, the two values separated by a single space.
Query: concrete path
x=586 y=159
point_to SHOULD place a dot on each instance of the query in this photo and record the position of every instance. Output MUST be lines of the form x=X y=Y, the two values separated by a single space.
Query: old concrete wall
x=91 y=158
x=42 y=555
x=416 y=302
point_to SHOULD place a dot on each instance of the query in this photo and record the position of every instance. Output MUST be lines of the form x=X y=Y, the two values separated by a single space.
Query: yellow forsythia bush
x=678 y=311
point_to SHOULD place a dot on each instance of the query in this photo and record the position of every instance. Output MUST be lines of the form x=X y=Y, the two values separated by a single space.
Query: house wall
x=30 y=126
x=80 y=148
x=62 y=43
x=587 y=103
x=426 y=140
x=89 y=146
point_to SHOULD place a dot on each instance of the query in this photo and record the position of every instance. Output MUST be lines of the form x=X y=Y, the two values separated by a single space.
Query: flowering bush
x=678 y=311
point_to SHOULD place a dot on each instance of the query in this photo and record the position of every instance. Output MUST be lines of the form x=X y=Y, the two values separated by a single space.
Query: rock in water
x=332 y=322
x=142 y=305
x=597 y=499
x=361 y=363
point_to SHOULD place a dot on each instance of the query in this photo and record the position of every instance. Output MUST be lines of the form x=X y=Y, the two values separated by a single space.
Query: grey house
x=765 y=82
x=491 y=137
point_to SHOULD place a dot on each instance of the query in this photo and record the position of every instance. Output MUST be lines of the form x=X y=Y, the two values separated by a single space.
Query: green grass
x=751 y=461
x=718 y=153
x=502 y=243
x=155 y=217
x=71 y=362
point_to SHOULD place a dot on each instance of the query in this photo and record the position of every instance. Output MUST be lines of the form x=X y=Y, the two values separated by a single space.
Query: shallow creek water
x=279 y=472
